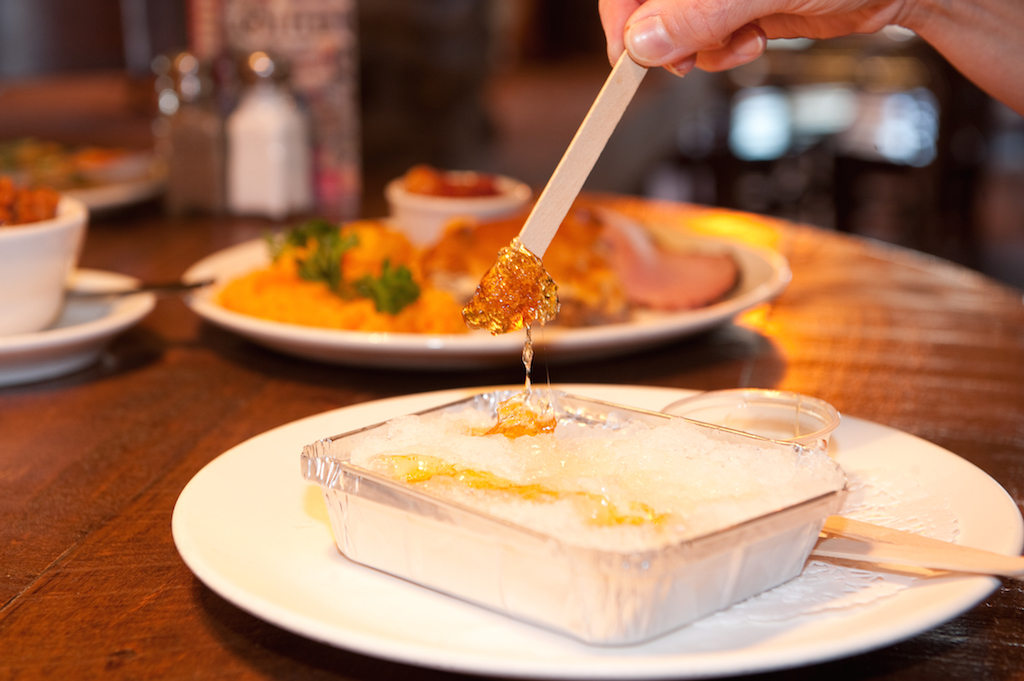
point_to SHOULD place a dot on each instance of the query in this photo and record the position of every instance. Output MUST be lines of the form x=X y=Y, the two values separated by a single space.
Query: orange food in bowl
x=424 y=179
x=20 y=205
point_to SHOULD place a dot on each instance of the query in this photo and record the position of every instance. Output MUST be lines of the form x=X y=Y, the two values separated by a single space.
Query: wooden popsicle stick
x=951 y=557
x=572 y=171
x=858 y=529
x=850 y=539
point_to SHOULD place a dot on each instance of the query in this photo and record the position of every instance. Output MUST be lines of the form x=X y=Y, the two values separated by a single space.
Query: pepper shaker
x=194 y=144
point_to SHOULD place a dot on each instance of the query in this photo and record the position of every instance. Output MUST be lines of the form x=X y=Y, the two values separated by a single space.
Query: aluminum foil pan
x=601 y=597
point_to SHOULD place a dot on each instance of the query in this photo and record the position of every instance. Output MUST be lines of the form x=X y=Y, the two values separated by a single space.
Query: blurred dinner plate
x=79 y=335
x=256 y=533
x=103 y=178
x=763 y=275
x=107 y=197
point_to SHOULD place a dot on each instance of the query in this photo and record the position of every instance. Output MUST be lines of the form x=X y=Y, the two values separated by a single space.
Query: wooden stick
x=849 y=539
x=950 y=557
x=849 y=528
x=566 y=182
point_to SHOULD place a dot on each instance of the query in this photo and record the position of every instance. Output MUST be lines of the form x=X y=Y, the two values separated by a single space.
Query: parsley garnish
x=392 y=291
x=324 y=261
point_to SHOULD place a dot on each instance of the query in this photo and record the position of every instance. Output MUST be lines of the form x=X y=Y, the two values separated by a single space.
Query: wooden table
x=91 y=464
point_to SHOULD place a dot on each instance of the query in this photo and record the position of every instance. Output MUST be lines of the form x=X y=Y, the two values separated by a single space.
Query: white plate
x=256 y=533
x=113 y=195
x=79 y=335
x=764 y=274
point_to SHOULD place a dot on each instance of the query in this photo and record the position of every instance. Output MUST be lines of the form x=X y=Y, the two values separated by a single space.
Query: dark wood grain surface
x=91 y=463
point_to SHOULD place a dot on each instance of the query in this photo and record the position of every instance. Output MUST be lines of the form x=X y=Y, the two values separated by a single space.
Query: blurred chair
x=875 y=135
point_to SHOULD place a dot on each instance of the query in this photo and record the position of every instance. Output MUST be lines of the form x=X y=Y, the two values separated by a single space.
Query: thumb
x=668 y=32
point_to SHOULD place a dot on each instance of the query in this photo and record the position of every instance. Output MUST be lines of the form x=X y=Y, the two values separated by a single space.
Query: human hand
x=715 y=35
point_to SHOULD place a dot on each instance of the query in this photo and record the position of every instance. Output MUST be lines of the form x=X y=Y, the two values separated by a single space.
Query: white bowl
x=423 y=217
x=36 y=260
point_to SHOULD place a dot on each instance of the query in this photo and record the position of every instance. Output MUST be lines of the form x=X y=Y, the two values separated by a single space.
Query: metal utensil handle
x=160 y=289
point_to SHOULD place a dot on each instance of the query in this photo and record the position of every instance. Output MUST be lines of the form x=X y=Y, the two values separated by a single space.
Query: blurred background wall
x=874 y=135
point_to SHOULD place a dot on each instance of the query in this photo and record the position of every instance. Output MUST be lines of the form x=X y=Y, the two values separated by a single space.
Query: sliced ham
x=665 y=280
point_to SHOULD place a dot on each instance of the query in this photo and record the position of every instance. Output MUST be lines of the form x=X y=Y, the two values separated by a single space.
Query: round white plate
x=118 y=194
x=764 y=274
x=79 y=335
x=256 y=533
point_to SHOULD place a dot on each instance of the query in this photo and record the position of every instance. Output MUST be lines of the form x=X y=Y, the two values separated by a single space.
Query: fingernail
x=749 y=42
x=648 y=41
x=682 y=67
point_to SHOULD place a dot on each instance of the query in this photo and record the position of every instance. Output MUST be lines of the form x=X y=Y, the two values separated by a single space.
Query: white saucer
x=79 y=335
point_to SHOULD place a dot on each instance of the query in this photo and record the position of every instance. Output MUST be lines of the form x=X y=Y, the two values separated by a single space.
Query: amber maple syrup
x=596 y=508
x=514 y=294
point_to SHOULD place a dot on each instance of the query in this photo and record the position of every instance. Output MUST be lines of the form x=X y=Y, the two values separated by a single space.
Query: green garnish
x=392 y=291
x=324 y=263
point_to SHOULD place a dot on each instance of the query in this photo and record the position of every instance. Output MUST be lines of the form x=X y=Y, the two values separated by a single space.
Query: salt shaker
x=319 y=38
x=269 y=164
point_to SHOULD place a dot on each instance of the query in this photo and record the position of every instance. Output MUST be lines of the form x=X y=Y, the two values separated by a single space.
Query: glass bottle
x=194 y=140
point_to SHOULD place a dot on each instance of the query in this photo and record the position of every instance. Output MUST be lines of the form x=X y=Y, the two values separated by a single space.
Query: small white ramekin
x=36 y=260
x=423 y=217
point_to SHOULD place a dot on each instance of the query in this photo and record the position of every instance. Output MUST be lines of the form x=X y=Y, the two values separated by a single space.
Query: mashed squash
x=279 y=293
